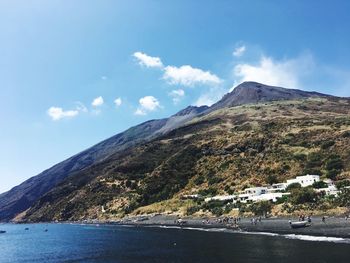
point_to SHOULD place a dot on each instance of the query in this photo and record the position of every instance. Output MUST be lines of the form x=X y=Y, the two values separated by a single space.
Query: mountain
x=196 y=148
x=24 y=195
x=253 y=92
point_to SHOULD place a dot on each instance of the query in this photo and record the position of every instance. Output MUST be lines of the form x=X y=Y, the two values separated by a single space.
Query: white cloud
x=118 y=101
x=140 y=112
x=177 y=95
x=97 y=102
x=57 y=113
x=211 y=96
x=185 y=75
x=239 y=51
x=189 y=76
x=147 y=104
x=148 y=61
x=286 y=73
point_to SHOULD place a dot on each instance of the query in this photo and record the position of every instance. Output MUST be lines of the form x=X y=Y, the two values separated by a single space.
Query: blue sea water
x=91 y=243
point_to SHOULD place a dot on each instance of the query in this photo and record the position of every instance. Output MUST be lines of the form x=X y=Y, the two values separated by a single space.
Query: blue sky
x=73 y=73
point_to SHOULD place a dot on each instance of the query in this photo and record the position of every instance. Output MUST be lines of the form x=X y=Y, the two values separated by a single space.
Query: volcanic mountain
x=160 y=159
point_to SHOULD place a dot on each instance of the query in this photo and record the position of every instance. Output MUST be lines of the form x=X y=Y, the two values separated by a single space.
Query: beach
x=332 y=227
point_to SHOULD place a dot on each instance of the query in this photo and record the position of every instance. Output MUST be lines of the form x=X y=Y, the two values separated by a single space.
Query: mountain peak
x=254 y=92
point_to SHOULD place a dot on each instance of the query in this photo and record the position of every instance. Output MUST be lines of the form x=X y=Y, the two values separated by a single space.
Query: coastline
x=333 y=226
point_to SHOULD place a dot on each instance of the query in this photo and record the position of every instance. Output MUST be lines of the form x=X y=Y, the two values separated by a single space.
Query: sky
x=73 y=73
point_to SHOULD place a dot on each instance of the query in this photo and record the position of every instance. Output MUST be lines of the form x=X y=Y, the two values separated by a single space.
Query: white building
x=305 y=180
x=195 y=196
x=329 y=182
x=255 y=190
x=220 y=198
x=248 y=193
x=267 y=197
x=277 y=187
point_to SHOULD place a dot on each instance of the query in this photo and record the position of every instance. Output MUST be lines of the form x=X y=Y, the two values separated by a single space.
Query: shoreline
x=337 y=227
x=332 y=227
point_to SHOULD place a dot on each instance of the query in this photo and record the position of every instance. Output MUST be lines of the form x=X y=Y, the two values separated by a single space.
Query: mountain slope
x=24 y=195
x=217 y=153
x=143 y=155
x=253 y=92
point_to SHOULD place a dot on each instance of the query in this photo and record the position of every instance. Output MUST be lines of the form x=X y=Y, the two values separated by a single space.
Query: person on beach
x=323 y=219
x=309 y=219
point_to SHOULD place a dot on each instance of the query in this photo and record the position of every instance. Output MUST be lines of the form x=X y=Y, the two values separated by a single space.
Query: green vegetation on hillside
x=220 y=153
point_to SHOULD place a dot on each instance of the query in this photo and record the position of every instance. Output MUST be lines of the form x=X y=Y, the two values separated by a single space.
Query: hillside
x=26 y=194
x=219 y=151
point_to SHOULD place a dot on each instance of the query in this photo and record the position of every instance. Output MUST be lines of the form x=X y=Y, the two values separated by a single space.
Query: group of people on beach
x=226 y=220
x=255 y=220
x=302 y=218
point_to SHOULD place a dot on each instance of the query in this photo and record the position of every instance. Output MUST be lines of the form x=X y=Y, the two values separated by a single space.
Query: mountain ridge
x=253 y=92
x=26 y=194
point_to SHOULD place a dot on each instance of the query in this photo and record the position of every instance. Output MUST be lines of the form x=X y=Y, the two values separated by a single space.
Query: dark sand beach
x=332 y=227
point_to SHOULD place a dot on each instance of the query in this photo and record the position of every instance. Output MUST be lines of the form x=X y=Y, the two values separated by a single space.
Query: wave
x=318 y=238
x=271 y=234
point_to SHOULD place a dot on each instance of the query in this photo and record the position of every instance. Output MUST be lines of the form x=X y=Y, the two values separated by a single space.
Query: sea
x=125 y=244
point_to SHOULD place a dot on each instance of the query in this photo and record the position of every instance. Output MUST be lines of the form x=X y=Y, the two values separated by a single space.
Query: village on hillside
x=275 y=191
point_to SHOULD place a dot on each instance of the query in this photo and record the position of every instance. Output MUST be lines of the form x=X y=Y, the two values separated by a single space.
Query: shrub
x=343 y=198
x=293 y=186
x=192 y=209
x=261 y=208
x=319 y=184
x=303 y=195
x=218 y=211
x=314 y=159
x=334 y=165
x=208 y=192
x=271 y=179
x=282 y=200
x=199 y=180
x=334 y=162
x=300 y=157
x=342 y=184
x=332 y=174
x=327 y=144
x=346 y=134
x=214 y=180
x=128 y=183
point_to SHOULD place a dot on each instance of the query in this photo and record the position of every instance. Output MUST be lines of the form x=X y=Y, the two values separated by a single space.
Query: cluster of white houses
x=274 y=191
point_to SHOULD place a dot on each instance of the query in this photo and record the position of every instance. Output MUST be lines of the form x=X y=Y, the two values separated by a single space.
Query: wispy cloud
x=185 y=75
x=147 y=104
x=117 y=102
x=209 y=97
x=57 y=113
x=286 y=73
x=188 y=76
x=239 y=51
x=97 y=101
x=148 y=61
x=177 y=95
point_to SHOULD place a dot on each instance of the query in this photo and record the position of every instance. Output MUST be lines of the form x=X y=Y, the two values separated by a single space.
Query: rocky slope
x=253 y=92
x=253 y=133
x=24 y=195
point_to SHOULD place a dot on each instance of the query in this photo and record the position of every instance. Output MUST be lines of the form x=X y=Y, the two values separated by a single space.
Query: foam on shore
x=318 y=238
x=287 y=236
